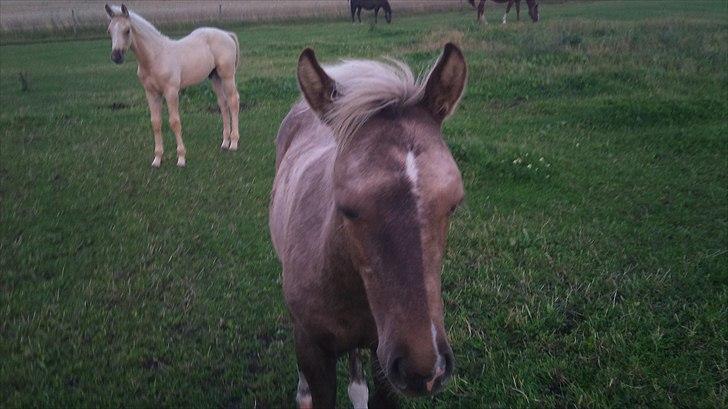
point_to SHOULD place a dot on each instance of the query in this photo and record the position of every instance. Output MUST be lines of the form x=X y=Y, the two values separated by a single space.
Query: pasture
x=588 y=266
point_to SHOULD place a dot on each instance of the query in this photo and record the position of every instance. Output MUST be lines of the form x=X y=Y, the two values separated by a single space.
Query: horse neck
x=146 y=45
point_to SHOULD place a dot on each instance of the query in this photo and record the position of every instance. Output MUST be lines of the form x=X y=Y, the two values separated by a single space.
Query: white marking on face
x=439 y=368
x=359 y=394
x=303 y=394
x=413 y=174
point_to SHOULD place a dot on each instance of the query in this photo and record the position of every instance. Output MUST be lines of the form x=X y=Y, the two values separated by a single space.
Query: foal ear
x=445 y=83
x=124 y=10
x=317 y=87
x=109 y=11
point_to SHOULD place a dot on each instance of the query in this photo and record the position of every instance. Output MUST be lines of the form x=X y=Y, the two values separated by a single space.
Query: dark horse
x=364 y=189
x=357 y=5
x=532 y=9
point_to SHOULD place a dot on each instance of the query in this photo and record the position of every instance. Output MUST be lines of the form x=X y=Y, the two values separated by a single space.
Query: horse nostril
x=396 y=373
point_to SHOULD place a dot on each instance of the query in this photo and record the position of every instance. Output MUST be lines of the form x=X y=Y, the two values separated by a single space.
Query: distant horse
x=532 y=9
x=357 y=5
x=361 y=201
x=167 y=66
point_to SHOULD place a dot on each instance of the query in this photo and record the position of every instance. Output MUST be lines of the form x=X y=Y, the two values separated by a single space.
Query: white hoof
x=181 y=162
x=234 y=145
x=225 y=144
x=157 y=162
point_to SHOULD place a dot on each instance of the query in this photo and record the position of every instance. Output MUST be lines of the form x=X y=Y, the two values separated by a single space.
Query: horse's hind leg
x=481 y=12
x=224 y=110
x=508 y=9
x=155 y=110
x=518 y=10
x=358 y=391
x=233 y=102
x=172 y=97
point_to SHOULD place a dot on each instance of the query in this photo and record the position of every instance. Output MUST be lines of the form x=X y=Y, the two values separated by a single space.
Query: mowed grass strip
x=587 y=267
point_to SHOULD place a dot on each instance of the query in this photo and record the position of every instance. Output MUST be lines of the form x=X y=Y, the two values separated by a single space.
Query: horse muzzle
x=411 y=380
x=117 y=56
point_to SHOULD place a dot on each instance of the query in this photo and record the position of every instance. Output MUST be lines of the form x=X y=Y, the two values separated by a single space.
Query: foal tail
x=237 y=49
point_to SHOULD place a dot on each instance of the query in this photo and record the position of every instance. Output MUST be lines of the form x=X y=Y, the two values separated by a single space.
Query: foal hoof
x=233 y=145
x=225 y=145
x=181 y=162
x=156 y=163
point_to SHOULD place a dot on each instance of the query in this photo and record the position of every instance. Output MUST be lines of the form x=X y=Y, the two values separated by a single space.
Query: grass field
x=588 y=266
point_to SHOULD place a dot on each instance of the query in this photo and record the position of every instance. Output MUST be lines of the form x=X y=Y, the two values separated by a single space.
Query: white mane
x=141 y=25
x=366 y=87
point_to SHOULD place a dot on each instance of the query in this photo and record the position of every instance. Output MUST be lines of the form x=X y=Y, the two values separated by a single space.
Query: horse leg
x=481 y=12
x=353 y=12
x=508 y=9
x=155 y=109
x=358 y=14
x=518 y=10
x=358 y=391
x=384 y=397
x=233 y=102
x=376 y=14
x=224 y=110
x=172 y=97
x=317 y=371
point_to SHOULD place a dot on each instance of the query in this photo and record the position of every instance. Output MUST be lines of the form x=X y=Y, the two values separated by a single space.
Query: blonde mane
x=140 y=24
x=366 y=87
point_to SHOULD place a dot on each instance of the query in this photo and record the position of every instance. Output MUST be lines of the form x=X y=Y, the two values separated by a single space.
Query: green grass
x=587 y=268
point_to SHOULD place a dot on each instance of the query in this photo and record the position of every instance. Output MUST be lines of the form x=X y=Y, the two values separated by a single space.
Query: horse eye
x=349 y=214
x=128 y=30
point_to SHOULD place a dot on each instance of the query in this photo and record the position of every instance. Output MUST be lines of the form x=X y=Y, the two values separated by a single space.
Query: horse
x=357 y=5
x=166 y=66
x=532 y=9
x=363 y=192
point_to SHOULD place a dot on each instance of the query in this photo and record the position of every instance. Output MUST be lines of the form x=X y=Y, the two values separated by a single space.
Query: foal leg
x=358 y=391
x=384 y=397
x=233 y=102
x=172 y=97
x=317 y=368
x=376 y=14
x=155 y=109
x=518 y=10
x=508 y=9
x=224 y=110
x=358 y=14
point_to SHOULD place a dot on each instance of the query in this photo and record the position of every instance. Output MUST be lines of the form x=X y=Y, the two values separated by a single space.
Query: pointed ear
x=446 y=83
x=124 y=10
x=317 y=87
x=109 y=11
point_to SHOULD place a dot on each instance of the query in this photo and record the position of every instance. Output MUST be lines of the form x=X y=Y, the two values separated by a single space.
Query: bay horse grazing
x=357 y=5
x=166 y=66
x=364 y=189
x=532 y=9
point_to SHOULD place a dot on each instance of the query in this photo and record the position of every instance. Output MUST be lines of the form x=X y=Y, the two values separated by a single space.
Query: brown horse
x=357 y=5
x=364 y=189
x=532 y=9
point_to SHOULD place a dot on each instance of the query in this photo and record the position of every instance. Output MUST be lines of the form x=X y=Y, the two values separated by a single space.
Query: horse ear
x=317 y=87
x=124 y=10
x=109 y=11
x=446 y=83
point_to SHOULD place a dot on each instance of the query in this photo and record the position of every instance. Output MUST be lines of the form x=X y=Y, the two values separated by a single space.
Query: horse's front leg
x=316 y=374
x=384 y=397
x=358 y=391
x=518 y=10
x=154 y=100
x=224 y=110
x=376 y=14
x=358 y=14
x=172 y=97
x=481 y=12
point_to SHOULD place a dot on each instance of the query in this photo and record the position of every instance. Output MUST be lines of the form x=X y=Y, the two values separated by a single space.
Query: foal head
x=120 y=30
x=395 y=186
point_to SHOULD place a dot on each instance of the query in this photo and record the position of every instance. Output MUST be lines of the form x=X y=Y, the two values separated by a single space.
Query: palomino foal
x=363 y=192
x=166 y=66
